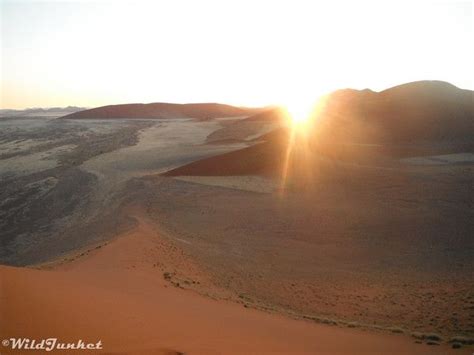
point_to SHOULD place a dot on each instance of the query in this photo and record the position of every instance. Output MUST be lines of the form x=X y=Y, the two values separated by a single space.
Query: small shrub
x=456 y=345
x=397 y=330
x=433 y=337
x=462 y=340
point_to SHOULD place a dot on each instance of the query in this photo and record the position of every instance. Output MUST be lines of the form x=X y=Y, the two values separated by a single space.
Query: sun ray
x=303 y=117
x=286 y=162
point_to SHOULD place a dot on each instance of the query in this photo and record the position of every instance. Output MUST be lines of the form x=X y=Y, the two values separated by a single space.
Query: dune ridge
x=163 y=110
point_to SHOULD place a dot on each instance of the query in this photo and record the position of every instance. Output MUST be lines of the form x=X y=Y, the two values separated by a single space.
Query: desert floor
x=360 y=262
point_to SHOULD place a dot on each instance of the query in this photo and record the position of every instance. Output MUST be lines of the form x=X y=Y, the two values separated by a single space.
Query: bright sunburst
x=303 y=118
x=300 y=112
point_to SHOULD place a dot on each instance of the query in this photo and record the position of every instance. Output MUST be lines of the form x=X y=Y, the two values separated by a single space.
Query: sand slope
x=117 y=293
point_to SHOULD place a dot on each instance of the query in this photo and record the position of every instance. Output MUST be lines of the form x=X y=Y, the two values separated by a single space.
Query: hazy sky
x=93 y=53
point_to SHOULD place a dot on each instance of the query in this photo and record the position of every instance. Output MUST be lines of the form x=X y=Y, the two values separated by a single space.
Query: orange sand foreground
x=114 y=294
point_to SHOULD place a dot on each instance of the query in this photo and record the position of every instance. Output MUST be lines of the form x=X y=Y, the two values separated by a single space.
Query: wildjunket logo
x=49 y=344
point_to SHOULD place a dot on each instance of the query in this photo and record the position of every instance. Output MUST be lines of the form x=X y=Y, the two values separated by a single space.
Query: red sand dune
x=164 y=110
x=117 y=295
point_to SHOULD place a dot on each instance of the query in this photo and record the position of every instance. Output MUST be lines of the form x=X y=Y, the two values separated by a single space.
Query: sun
x=302 y=111
x=299 y=111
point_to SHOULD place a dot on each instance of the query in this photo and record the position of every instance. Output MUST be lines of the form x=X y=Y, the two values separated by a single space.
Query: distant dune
x=40 y=112
x=164 y=110
x=423 y=111
x=419 y=118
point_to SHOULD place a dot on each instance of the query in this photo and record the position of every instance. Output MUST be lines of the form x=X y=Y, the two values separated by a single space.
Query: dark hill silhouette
x=423 y=111
x=164 y=110
x=420 y=118
x=418 y=112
